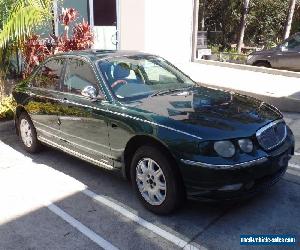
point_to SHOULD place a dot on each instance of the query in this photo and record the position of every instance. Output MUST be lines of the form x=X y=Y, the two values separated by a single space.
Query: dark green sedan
x=137 y=113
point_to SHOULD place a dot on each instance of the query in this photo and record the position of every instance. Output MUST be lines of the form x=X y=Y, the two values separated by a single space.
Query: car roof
x=94 y=54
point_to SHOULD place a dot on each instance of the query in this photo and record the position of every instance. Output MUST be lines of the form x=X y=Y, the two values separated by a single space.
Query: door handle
x=64 y=100
x=113 y=125
x=114 y=38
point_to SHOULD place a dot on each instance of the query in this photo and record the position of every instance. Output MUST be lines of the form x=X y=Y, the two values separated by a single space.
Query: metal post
x=195 y=29
x=55 y=18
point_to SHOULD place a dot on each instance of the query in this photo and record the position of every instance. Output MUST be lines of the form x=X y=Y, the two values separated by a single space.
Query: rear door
x=83 y=121
x=43 y=105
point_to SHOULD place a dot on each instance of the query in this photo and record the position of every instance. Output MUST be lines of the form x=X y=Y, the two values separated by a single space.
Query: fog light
x=246 y=145
x=231 y=187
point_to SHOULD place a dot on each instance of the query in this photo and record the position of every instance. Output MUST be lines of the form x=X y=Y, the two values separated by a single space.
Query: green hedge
x=7 y=107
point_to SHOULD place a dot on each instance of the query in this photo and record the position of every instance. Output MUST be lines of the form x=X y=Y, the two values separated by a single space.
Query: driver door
x=288 y=56
x=83 y=121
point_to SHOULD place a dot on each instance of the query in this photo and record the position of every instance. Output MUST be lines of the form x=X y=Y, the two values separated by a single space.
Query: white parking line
x=294 y=166
x=296 y=153
x=82 y=228
x=293 y=172
x=146 y=224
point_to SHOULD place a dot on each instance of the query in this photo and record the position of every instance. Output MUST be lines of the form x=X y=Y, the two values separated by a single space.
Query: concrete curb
x=250 y=68
x=285 y=104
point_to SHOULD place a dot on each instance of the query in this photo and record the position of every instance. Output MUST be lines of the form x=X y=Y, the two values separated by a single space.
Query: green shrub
x=7 y=108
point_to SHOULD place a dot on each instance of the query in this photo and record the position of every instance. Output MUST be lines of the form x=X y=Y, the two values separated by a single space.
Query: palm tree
x=20 y=17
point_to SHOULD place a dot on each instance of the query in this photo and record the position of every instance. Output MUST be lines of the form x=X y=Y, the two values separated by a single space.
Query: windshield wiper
x=168 y=91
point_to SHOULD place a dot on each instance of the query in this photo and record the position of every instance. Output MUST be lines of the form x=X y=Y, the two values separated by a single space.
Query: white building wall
x=169 y=28
x=161 y=27
x=131 y=24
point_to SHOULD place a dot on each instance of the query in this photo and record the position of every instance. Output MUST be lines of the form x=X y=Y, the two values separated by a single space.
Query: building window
x=105 y=13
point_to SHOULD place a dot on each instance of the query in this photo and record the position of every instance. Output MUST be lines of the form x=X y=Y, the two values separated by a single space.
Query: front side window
x=134 y=77
x=79 y=75
x=48 y=76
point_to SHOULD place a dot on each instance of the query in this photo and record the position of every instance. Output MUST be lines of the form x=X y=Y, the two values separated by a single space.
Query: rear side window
x=79 y=75
x=48 y=76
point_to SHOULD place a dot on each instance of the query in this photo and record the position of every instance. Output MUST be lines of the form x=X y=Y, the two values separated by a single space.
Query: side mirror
x=92 y=93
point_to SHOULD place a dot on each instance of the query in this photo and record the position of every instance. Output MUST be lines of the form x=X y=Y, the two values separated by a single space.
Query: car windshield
x=135 y=77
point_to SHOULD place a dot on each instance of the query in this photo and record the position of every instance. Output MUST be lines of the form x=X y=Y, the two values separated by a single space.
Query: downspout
x=55 y=18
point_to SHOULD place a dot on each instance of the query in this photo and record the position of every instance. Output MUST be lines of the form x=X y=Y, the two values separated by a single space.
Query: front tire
x=263 y=64
x=155 y=181
x=28 y=134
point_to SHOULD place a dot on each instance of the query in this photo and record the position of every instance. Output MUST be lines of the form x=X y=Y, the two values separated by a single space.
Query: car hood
x=208 y=113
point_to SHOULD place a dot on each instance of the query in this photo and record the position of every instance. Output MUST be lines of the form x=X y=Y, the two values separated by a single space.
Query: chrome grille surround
x=272 y=135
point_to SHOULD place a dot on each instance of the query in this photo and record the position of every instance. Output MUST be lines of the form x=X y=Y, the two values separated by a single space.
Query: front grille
x=272 y=135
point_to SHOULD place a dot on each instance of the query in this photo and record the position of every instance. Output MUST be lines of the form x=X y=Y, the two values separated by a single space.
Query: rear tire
x=28 y=134
x=155 y=181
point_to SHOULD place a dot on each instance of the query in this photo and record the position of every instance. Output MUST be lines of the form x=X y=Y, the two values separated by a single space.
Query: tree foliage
x=21 y=17
x=35 y=49
x=265 y=21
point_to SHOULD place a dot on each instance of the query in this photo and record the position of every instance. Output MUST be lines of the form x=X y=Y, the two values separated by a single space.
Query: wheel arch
x=141 y=140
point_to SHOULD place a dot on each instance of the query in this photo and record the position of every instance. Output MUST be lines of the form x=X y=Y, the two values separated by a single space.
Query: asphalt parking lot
x=55 y=201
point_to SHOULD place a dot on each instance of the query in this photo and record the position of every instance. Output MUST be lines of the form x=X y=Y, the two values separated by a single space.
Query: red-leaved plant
x=68 y=16
x=35 y=50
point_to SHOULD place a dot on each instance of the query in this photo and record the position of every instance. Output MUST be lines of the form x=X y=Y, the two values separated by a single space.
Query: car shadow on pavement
x=209 y=225
x=112 y=185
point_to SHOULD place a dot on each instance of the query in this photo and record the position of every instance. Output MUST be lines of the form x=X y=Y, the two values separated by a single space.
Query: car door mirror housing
x=92 y=93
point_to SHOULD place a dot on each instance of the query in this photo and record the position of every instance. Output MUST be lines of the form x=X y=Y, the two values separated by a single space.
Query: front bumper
x=208 y=182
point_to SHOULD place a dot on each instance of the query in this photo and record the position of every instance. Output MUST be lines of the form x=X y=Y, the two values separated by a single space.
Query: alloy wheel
x=151 y=181
x=26 y=133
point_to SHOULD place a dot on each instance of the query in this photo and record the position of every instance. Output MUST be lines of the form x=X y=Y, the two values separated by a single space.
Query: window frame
x=40 y=68
x=98 y=84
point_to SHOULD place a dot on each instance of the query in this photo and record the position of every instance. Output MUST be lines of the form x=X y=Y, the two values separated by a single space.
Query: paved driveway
x=55 y=201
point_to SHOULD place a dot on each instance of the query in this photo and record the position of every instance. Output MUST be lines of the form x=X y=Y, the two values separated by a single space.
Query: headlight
x=246 y=145
x=249 y=57
x=224 y=148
